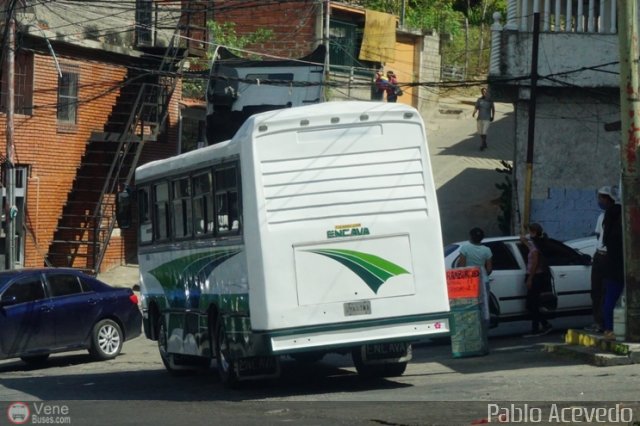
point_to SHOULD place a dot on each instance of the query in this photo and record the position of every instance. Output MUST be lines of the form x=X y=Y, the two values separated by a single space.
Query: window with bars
x=344 y=47
x=182 y=208
x=23 y=85
x=144 y=14
x=68 y=96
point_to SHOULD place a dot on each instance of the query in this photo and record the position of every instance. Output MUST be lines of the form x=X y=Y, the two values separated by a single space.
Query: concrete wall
x=430 y=64
x=573 y=156
x=100 y=27
x=564 y=53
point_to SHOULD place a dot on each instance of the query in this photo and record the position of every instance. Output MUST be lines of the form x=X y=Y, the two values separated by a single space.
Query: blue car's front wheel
x=106 y=340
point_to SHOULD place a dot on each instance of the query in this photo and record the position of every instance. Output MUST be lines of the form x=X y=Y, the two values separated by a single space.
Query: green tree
x=465 y=21
x=439 y=15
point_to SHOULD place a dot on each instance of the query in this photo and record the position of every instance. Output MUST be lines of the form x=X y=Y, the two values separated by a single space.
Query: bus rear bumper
x=353 y=336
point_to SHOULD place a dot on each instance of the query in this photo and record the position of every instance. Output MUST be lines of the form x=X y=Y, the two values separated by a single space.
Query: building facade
x=577 y=93
x=78 y=129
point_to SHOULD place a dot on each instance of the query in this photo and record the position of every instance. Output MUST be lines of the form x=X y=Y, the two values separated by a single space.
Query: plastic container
x=620 y=319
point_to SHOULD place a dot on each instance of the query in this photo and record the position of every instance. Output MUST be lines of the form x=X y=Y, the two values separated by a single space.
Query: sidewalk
x=466 y=177
x=593 y=349
x=122 y=276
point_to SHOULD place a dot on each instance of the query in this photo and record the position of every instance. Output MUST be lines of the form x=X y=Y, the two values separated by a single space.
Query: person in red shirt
x=392 y=87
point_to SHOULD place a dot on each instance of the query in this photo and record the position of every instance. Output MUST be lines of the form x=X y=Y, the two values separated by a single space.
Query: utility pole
x=532 y=120
x=630 y=160
x=10 y=171
x=327 y=28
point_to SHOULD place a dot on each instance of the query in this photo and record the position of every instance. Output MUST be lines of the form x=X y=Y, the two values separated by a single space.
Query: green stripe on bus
x=373 y=270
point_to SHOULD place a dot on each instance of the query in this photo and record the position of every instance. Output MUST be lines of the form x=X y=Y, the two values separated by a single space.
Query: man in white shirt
x=606 y=195
x=486 y=112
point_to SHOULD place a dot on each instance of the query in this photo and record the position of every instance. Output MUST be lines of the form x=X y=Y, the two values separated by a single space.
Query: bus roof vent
x=364 y=117
x=304 y=122
x=335 y=120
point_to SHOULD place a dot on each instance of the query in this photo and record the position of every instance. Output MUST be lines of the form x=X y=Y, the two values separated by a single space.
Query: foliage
x=505 y=199
x=421 y=14
x=458 y=51
x=443 y=19
x=223 y=34
x=480 y=11
x=445 y=16
x=226 y=34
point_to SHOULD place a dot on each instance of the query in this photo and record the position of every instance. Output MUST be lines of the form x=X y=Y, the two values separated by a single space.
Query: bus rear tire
x=226 y=366
x=390 y=369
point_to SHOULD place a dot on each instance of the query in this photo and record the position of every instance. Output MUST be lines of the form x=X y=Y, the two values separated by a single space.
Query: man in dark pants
x=606 y=199
x=613 y=270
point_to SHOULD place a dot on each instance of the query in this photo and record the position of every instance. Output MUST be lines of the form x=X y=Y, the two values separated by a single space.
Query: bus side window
x=161 y=211
x=181 y=205
x=202 y=204
x=226 y=201
x=144 y=216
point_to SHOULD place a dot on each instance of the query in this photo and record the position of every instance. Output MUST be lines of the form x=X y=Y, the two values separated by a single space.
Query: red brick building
x=75 y=119
x=81 y=127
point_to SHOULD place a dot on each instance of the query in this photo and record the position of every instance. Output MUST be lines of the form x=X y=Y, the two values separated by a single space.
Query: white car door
x=507 y=278
x=571 y=274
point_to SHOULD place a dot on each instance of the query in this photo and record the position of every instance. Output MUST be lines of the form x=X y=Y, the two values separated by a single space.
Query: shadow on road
x=500 y=141
x=477 y=207
x=333 y=377
x=297 y=379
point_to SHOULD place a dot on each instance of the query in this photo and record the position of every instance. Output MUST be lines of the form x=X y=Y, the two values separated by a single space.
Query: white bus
x=314 y=230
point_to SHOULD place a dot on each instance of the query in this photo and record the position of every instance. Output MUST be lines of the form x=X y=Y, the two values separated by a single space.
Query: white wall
x=573 y=156
x=562 y=55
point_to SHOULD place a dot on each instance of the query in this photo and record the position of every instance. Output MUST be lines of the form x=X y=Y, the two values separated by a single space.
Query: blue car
x=48 y=310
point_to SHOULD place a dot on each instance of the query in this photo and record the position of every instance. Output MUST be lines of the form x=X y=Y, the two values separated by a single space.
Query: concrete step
x=588 y=355
x=595 y=350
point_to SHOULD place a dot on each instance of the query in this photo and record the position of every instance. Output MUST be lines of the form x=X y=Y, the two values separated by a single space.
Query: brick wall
x=123 y=243
x=53 y=154
x=293 y=24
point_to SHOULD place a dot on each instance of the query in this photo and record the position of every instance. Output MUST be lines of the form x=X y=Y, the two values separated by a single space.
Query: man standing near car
x=474 y=253
x=605 y=199
x=613 y=270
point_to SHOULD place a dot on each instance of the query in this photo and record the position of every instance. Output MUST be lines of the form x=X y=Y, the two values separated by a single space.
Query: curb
x=588 y=355
x=595 y=350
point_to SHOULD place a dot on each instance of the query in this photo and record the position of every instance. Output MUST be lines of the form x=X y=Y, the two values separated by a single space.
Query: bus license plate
x=357 y=308
x=386 y=350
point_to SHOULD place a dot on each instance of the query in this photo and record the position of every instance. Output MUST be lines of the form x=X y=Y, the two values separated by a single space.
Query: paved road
x=436 y=389
x=465 y=176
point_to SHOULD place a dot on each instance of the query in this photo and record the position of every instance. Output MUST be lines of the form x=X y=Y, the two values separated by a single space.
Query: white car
x=571 y=270
x=586 y=245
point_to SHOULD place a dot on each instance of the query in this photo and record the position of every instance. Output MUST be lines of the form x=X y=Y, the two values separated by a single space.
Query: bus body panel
x=340 y=240
x=342 y=182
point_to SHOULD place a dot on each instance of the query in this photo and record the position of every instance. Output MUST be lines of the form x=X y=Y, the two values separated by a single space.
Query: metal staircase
x=88 y=217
